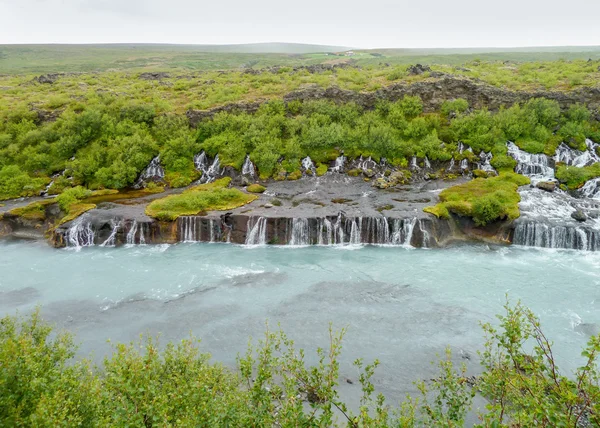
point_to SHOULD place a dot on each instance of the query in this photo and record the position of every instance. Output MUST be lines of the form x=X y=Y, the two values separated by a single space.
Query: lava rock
x=548 y=186
x=154 y=76
x=417 y=69
x=579 y=216
x=48 y=79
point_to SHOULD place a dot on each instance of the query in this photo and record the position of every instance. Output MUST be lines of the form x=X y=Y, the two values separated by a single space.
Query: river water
x=401 y=305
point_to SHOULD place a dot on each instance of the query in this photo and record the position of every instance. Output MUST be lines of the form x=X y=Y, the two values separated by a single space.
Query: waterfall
x=248 y=168
x=413 y=163
x=427 y=163
x=200 y=161
x=308 y=164
x=535 y=234
x=211 y=230
x=257 y=231
x=80 y=234
x=189 y=228
x=591 y=189
x=535 y=166
x=209 y=173
x=378 y=230
x=112 y=238
x=300 y=232
x=130 y=239
x=133 y=231
x=365 y=164
x=484 y=162
x=340 y=162
x=325 y=229
x=577 y=158
x=153 y=170
x=451 y=167
x=355 y=231
x=426 y=236
x=402 y=231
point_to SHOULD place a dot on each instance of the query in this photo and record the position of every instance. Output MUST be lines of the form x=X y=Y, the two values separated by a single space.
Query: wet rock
x=417 y=69
x=548 y=186
x=369 y=173
x=579 y=215
x=268 y=205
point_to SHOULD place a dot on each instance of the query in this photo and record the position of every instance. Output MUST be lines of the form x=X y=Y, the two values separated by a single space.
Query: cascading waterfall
x=451 y=166
x=340 y=163
x=308 y=164
x=484 y=162
x=534 y=166
x=248 y=167
x=591 y=189
x=464 y=163
x=257 y=231
x=427 y=163
x=111 y=241
x=81 y=233
x=413 y=163
x=209 y=173
x=189 y=227
x=378 y=230
x=139 y=230
x=365 y=164
x=325 y=232
x=154 y=170
x=577 y=158
x=300 y=232
x=536 y=234
x=402 y=231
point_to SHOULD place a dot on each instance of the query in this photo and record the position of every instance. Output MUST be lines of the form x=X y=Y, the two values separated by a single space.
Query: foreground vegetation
x=145 y=384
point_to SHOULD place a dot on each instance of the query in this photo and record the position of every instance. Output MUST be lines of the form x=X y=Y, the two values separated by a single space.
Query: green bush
x=145 y=384
x=255 y=188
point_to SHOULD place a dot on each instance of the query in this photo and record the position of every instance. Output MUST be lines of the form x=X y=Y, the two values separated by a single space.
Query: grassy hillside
x=25 y=59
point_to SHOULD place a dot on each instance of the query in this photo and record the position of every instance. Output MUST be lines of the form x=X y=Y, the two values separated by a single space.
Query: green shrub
x=72 y=196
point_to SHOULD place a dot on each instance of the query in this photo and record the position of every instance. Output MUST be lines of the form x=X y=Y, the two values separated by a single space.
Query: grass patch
x=255 y=188
x=75 y=210
x=485 y=200
x=574 y=177
x=33 y=211
x=199 y=199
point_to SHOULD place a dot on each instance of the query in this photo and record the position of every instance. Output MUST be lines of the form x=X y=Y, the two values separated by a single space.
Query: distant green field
x=32 y=59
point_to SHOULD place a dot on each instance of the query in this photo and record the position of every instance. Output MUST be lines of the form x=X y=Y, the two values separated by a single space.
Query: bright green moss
x=199 y=199
x=485 y=200
x=255 y=188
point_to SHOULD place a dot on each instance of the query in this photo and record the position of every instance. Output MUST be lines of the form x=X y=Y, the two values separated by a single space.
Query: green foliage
x=199 y=199
x=456 y=106
x=15 y=183
x=145 y=384
x=72 y=196
x=485 y=200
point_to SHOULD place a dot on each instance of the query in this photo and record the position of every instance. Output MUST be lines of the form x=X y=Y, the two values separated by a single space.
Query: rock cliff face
x=433 y=93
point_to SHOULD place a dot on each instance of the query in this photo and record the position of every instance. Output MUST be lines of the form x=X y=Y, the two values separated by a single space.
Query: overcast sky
x=363 y=24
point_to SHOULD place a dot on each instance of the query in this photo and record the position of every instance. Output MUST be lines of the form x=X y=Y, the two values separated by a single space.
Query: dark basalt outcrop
x=432 y=92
